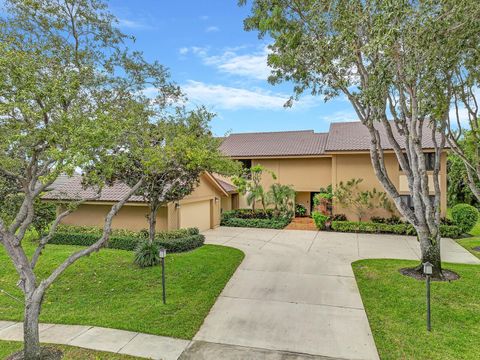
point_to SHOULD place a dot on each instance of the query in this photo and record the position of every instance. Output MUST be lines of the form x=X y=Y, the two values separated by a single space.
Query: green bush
x=320 y=220
x=174 y=241
x=399 y=229
x=275 y=223
x=147 y=254
x=300 y=210
x=249 y=214
x=465 y=216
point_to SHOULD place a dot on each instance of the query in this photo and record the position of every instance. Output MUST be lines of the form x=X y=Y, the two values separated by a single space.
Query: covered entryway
x=196 y=214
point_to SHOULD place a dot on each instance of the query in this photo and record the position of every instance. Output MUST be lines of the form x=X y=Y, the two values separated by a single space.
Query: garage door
x=196 y=214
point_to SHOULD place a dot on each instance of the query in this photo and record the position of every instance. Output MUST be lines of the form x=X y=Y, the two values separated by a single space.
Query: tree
x=458 y=187
x=390 y=59
x=282 y=197
x=250 y=184
x=71 y=94
x=182 y=147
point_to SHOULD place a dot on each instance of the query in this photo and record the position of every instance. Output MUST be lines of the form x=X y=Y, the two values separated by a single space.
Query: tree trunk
x=31 y=335
x=430 y=248
x=152 y=220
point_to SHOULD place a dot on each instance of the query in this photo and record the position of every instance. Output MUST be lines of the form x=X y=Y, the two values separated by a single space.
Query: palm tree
x=282 y=197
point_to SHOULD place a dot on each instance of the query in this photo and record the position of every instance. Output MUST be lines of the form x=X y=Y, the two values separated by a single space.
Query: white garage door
x=195 y=214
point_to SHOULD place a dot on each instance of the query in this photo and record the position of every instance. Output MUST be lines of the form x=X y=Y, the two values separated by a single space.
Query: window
x=429 y=161
x=246 y=163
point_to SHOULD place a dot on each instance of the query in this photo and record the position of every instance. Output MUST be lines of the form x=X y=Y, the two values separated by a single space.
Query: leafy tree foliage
x=458 y=189
x=250 y=184
x=71 y=94
x=391 y=60
x=282 y=197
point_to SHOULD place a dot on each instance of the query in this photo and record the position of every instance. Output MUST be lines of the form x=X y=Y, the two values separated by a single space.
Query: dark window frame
x=429 y=161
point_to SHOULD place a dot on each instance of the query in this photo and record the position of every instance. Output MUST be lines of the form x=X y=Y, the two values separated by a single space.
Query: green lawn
x=395 y=306
x=69 y=352
x=107 y=290
x=473 y=242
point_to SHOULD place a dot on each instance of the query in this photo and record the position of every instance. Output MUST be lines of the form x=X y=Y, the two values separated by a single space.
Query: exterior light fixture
x=428 y=270
x=216 y=199
x=177 y=205
x=163 y=253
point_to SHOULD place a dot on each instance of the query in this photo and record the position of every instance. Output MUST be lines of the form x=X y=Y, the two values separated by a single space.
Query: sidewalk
x=103 y=339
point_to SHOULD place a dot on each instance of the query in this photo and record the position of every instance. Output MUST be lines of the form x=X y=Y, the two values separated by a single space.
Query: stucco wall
x=304 y=199
x=304 y=174
x=348 y=166
x=129 y=217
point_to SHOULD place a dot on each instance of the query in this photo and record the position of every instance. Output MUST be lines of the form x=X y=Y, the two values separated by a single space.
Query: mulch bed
x=48 y=353
x=476 y=248
x=448 y=275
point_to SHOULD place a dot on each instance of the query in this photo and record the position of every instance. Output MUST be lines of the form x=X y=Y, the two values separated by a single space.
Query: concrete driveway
x=295 y=296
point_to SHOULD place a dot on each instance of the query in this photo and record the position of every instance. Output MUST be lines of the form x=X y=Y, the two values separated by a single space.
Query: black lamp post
x=163 y=253
x=428 y=270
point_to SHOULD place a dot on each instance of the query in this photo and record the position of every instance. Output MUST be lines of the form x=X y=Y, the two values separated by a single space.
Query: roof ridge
x=276 y=132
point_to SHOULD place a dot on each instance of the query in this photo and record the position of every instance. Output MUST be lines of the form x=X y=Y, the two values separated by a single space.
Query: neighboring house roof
x=344 y=136
x=354 y=136
x=73 y=189
x=229 y=188
x=285 y=143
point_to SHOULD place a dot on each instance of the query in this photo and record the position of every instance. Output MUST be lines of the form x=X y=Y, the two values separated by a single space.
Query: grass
x=106 y=289
x=395 y=305
x=9 y=347
x=473 y=242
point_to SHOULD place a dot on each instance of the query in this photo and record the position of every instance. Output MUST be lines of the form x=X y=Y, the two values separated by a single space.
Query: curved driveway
x=296 y=292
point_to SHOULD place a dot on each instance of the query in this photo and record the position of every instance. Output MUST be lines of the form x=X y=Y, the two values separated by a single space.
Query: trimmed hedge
x=248 y=214
x=274 y=223
x=465 y=216
x=174 y=241
x=400 y=229
x=320 y=220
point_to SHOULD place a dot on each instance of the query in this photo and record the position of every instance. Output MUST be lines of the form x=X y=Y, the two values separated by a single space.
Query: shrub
x=174 y=241
x=248 y=214
x=320 y=220
x=399 y=229
x=147 y=254
x=274 y=223
x=465 y=216
x=392 y=220
x=300 y=210
x=339 y=217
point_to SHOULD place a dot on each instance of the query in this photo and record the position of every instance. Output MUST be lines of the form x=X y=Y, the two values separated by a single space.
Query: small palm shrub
x=300 y=210
x=465 y=216
x=147 y=254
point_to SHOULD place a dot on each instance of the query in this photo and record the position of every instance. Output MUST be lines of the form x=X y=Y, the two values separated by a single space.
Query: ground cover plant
x=107 y=289
x=395 y=306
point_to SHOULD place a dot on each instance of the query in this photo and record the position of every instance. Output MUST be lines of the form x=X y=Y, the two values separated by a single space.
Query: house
x=303 y=159
x=200 y=209
x=309 y=161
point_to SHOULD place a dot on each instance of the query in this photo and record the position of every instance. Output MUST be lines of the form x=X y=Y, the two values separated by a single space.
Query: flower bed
x=255 y=219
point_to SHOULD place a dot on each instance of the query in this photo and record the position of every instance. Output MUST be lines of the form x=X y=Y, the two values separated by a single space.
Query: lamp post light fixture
x=428 y=270
x=163 y=253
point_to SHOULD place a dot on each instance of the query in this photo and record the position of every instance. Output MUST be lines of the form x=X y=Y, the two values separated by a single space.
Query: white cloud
x=183 y=51
x=340 y=116
x=224 y=97
x=204 y=17
x=212 y=29
x=253 y=65
x=133 y=24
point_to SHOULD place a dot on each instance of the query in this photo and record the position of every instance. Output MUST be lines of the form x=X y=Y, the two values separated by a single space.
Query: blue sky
x=220 y=65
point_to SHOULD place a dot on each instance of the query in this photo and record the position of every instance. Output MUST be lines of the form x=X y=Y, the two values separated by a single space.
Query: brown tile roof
x=285 y=143
x=229 y=188
x=343 y=136
x=72 y=189
x=354 y=136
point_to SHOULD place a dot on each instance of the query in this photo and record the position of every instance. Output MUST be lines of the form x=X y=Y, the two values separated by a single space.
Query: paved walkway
x=302 y=223
x=294 y=297
x=295 y=291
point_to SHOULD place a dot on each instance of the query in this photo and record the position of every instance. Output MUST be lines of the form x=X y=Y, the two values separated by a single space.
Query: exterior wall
x=226 y=204
x=129 y=217
x=348 y=166
x=304 y=174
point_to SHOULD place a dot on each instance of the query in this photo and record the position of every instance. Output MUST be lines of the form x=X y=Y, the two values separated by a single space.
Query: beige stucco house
x=305 y=160
x=309 y=161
